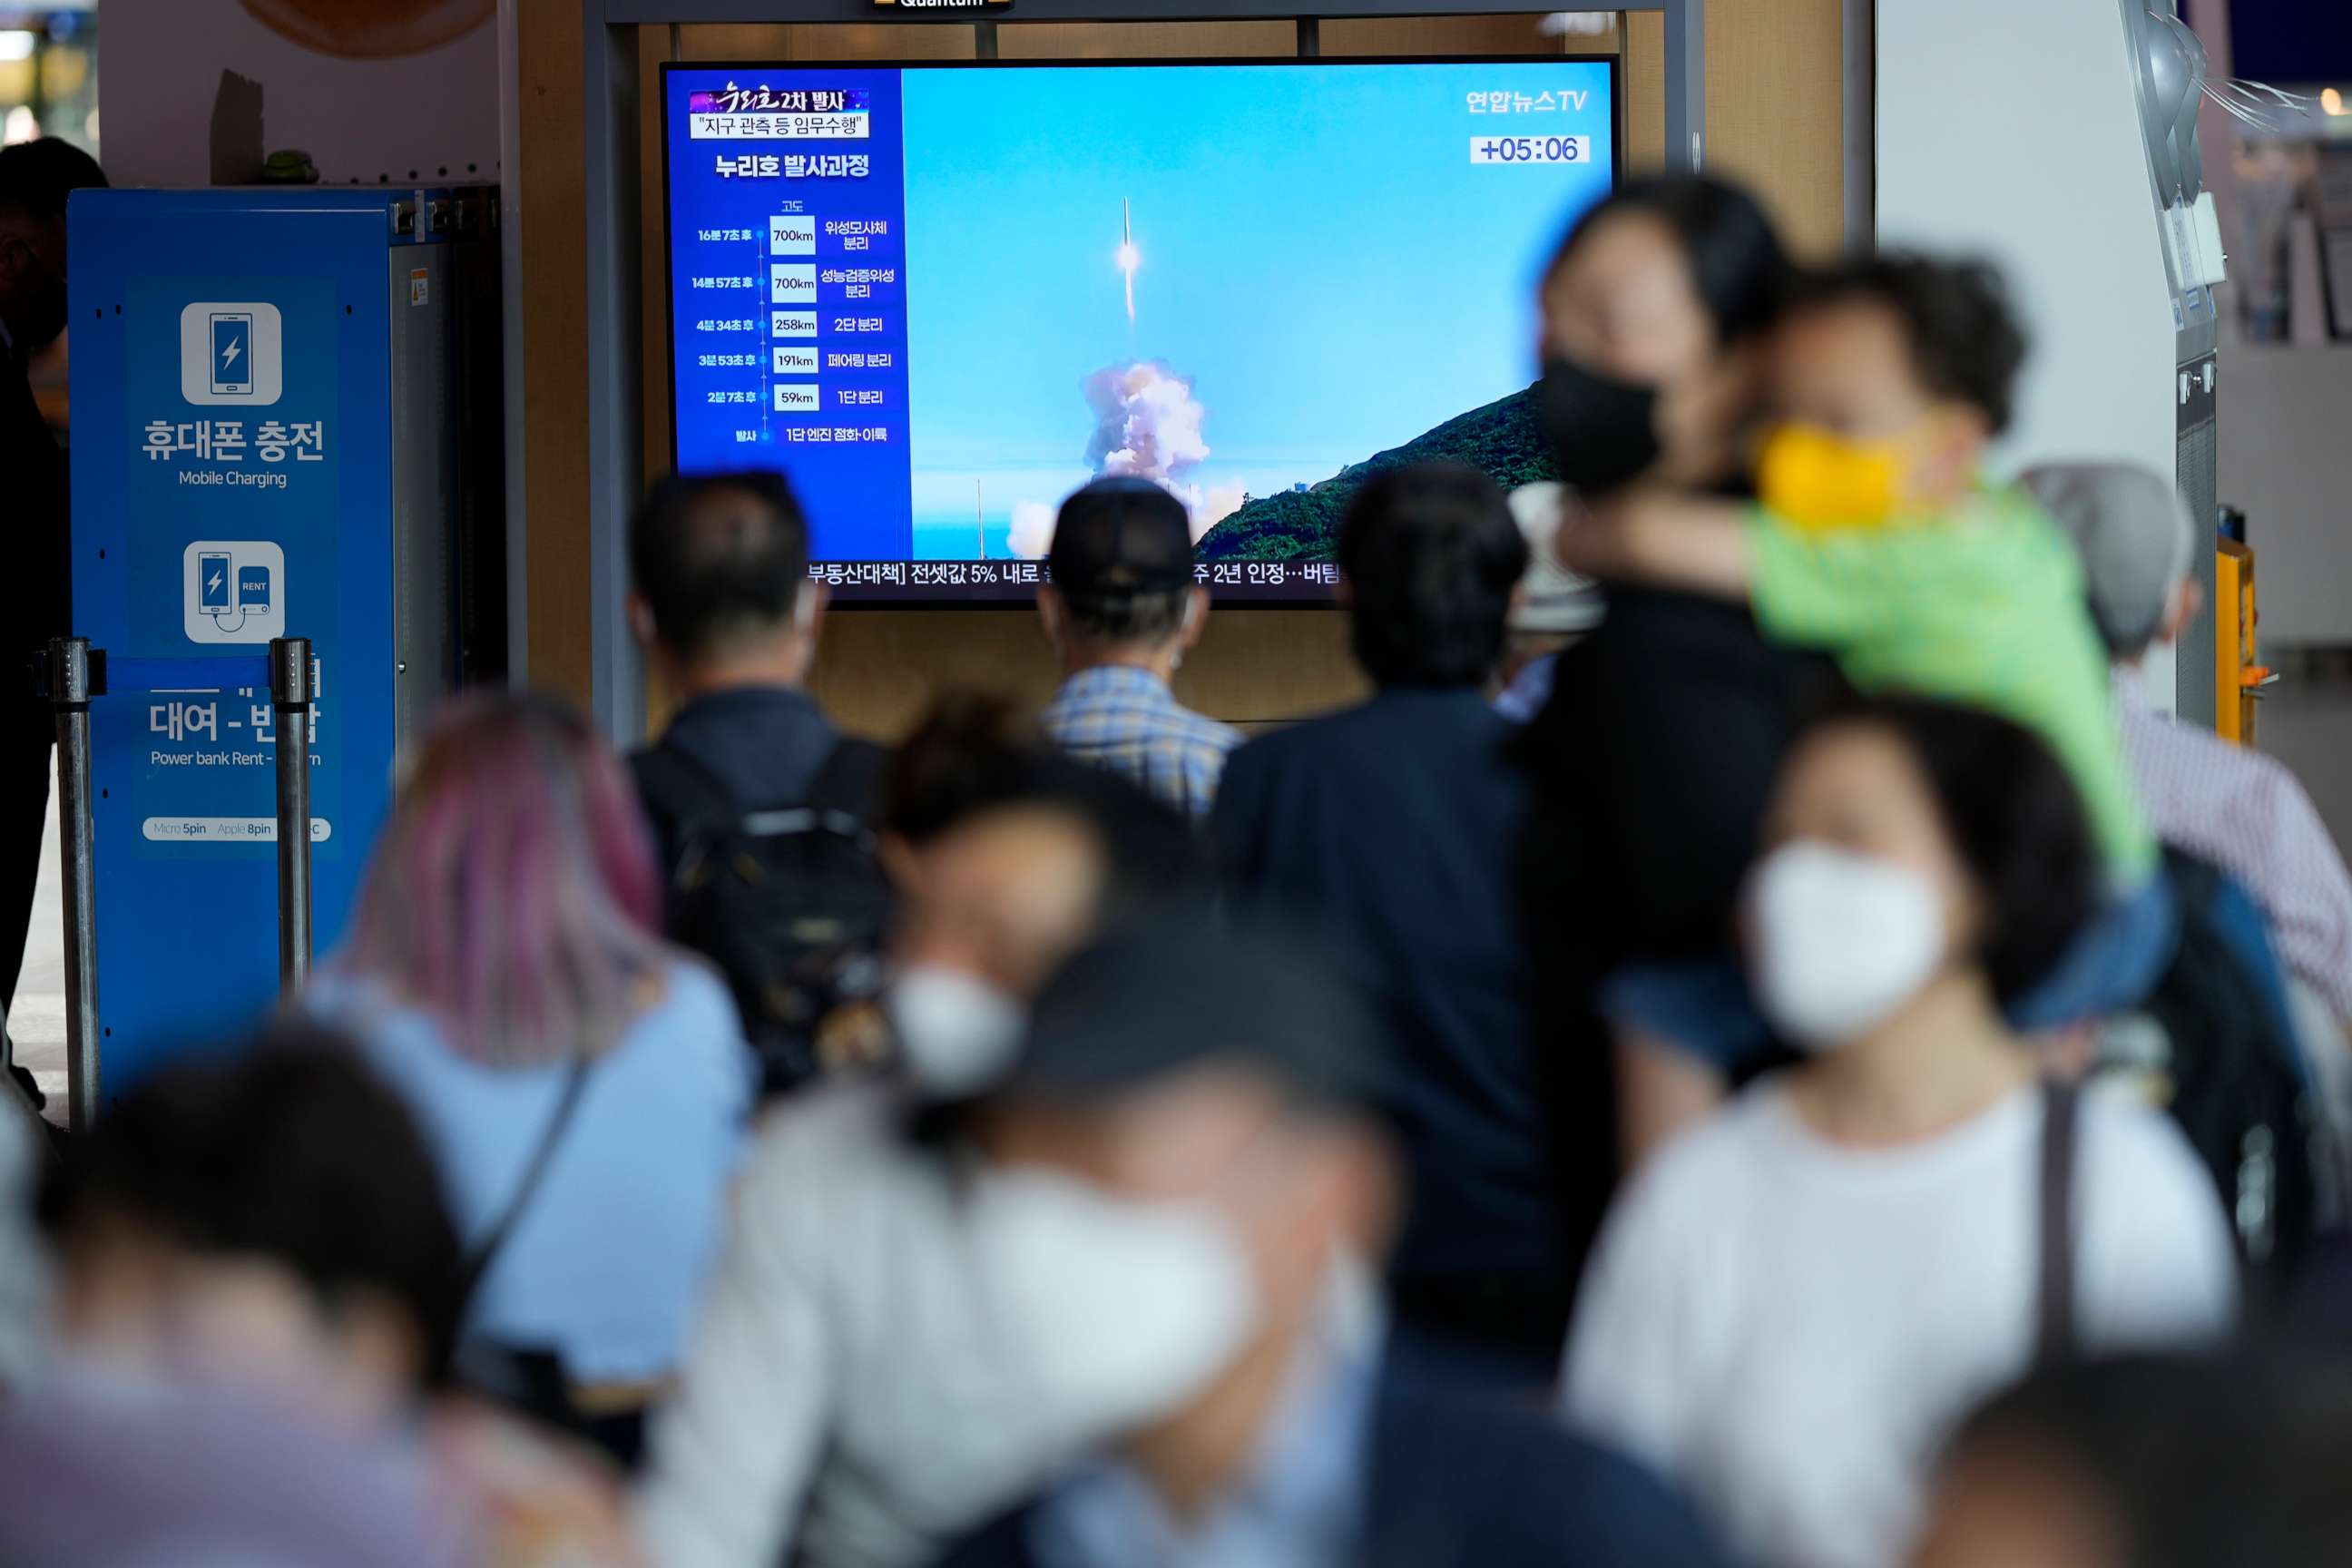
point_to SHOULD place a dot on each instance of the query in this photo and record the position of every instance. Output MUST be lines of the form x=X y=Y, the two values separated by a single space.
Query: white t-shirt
x=1788 y=1327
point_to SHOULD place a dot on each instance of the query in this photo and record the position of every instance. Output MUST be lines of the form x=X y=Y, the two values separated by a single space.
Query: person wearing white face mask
x=840 y=1404
x=1791 y=1301
x=1173 y=1231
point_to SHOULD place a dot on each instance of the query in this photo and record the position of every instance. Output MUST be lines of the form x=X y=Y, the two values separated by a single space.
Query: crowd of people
x=1754 y=1044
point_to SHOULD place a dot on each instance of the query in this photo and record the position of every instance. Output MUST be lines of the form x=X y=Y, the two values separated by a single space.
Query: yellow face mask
x=1819 y=482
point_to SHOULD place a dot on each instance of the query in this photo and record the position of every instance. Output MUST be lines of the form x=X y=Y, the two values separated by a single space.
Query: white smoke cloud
x=1147 y=421
x=1032 y=529
x=1209 y=508
x=1147 y=425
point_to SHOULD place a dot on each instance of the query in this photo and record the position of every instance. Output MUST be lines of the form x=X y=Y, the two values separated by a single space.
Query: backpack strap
x=678 y=786
x=485 y=1251
x=701 y=810
x=849 y=780
x=2055 y=1335
x=840 y=798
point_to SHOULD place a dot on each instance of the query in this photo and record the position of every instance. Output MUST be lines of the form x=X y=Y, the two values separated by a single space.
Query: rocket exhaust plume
x=1129 y=258
x=1147 y=425
x=1147 y=421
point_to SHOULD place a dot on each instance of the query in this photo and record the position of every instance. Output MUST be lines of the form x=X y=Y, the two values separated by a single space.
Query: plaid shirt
x=1126 y=720
x=2247 y=814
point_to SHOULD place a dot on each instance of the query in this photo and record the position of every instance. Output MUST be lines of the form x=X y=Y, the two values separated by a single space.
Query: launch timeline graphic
x=941 y=298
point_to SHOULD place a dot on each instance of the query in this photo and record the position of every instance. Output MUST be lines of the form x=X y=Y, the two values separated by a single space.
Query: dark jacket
x=1392 y=828
x=1650 y=768
x=1454 y=1483
x=35 y=468
x=763 y=744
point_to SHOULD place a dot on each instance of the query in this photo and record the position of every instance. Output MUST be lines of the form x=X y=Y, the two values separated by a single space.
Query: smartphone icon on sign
x=232 y=354
x=212 y=583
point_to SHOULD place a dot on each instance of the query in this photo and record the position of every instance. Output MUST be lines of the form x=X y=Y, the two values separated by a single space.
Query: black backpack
x=2212 y=1044
x=789 y=901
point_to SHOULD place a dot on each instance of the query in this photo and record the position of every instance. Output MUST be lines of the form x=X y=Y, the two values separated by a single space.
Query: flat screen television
x=941 y=297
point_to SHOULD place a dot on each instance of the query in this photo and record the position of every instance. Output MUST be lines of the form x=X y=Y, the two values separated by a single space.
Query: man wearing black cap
x=1122 y=610
x=1178 y=1189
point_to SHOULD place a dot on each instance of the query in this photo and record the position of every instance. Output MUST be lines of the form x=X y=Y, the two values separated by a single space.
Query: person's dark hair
x=37 y=176
x=1133 y=514
x=712 y=568
x=1965 y=340
x=969 y=749
x=292 y=1149
x=1431 y=555
x=2198 y=1461
x=974 y=754
x=2014 y=817
x=1737 y=264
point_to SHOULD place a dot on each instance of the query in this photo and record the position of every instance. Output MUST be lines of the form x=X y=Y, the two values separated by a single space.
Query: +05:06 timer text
x=1531 y=149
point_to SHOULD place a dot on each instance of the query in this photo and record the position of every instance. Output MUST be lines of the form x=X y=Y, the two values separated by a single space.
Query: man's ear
x=1957 y=442
x=808 y=610
x=2186 y=600
x=1051 y=614
x=1196 y=617
x=641 y=619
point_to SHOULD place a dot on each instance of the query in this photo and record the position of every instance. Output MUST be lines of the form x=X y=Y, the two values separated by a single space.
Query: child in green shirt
x=1876 y=539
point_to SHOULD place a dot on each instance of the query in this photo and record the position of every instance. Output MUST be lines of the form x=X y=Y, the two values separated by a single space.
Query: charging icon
x=236 y=591
x=213 y=595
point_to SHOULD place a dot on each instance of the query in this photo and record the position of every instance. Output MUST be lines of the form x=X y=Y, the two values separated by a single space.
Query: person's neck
x=1158 y=659
x=1191 y=1458
x=782 y=663
x=1942 y=500
x=1946 y=1056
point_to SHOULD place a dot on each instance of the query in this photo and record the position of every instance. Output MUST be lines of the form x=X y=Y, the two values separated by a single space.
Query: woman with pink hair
x=585 y=1086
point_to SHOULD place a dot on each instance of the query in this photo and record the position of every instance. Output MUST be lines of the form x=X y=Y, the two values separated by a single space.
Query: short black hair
x=969 y=748
x=2201 y=1462
x=975 y=754
x=1127 y=515
x=2015 y=817
x=1965 y=341
x=1737 y=263
x=713 y=572
x=37 y=176
x=289 y=1149
x=1431 y=555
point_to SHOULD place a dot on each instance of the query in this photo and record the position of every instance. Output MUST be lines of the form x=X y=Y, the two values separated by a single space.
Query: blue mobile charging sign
x=232 y=483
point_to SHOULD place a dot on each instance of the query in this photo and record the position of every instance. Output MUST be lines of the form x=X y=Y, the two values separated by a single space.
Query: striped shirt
x=1127 y=721
x=2248 y=815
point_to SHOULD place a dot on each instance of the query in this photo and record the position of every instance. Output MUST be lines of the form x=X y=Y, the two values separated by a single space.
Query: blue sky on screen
x=1319 y=257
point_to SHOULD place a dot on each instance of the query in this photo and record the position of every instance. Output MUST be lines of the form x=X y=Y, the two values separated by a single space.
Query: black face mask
x=1603 y=432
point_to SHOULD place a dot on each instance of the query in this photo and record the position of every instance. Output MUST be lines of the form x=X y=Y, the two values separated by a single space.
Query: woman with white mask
x=841 y=1404
x=1791 y=1301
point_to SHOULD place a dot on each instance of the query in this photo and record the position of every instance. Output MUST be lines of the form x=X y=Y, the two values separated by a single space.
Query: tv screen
x=940 y=298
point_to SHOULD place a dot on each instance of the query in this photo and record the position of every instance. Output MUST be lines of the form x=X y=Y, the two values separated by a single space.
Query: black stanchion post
x=69 y=691
x=290 y=695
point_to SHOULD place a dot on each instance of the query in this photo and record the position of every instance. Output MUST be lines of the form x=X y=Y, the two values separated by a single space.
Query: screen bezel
x=1023 y=596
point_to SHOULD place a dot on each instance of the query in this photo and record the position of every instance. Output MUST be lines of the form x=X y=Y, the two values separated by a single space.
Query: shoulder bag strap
x=678 y=782
x=485 y=1251
x=848 y=780
x=2055 y=1334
